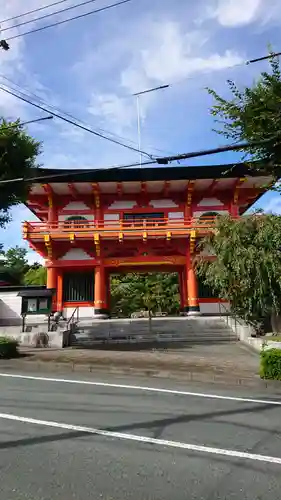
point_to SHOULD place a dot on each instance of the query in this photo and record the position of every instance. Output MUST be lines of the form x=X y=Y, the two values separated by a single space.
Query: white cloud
x=274 y=205
x=157 y=53
x=235 y=13
x=117 y=111
x=33 y=257
x=14 y=63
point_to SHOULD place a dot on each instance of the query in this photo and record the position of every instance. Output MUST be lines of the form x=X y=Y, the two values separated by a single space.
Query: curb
x=188 y=376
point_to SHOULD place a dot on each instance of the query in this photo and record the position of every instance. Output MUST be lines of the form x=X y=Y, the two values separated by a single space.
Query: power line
x=195 y=76
x=48 y=15
x=67 y=120
x=70 y=19
x=32 y=11
x=60 y=110
x=160 y=161
x=238 y=65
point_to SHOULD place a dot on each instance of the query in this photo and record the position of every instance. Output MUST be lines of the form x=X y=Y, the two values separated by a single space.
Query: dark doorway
x=78 y=286
x=150 y=218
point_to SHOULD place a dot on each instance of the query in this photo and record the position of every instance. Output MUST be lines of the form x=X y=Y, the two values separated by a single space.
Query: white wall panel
x=76 y=254
x=10 y=308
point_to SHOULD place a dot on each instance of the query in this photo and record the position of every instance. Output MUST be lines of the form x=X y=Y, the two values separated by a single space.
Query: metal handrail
x=71 y=319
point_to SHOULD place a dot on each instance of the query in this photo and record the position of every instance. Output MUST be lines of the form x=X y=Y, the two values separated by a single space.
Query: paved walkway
x=221 y=362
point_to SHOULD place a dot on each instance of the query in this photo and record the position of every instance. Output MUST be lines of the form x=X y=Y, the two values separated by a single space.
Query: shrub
x=270 y=367
x=8 y=348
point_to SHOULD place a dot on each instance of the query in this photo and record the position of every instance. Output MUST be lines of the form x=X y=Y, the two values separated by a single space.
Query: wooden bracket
x=119 y=188
x=144 y=188
x=97 y=243
x=190 y=189
x=25 y=230
x=192 y=242
x=73 y=191
x=238 y=185
x=213 y=187
x=166 y=188
x=48 y=190
x=48 y=245
x=96 y=192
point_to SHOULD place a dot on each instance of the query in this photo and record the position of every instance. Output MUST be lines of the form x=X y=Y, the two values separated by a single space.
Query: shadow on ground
x=148 y=346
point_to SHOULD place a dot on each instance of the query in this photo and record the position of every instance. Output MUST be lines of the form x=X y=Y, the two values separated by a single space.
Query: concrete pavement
x=224 y=363
x=183 y=444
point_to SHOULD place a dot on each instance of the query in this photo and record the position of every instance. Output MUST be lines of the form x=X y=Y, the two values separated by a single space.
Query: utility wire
x=70 y=19
x=29 y=93
x=233 y=66
x=160 y=161
x=72 y=122
x=195 y=76
x=48 y=15
x=32 y=11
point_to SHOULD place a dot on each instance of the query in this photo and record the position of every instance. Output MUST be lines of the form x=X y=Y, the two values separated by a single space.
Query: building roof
x=6 y=278
x=19 y=288
x=151 y=173
x=36 y=292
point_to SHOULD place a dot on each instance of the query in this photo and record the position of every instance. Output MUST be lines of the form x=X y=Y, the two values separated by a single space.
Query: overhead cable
x=25 y=92
x=101 y=9
x=50 y=14
x=160 y=161
x=72 y=122
x=32 y=11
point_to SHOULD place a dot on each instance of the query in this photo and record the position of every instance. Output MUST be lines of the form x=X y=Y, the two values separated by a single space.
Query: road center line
x=144 y=439
x=142 y=388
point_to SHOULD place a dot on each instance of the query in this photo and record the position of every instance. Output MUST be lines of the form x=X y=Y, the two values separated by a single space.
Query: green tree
x=36 y=275
x=152 y=292
x=18 y=154
x=253 y=114
x=15 y=261
x=247 y=268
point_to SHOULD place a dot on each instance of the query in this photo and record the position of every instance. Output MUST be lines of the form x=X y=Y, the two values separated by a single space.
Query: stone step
x=91 y=342
x=160 y=330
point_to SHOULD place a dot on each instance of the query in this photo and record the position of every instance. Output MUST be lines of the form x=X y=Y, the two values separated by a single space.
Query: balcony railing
x=111 y=228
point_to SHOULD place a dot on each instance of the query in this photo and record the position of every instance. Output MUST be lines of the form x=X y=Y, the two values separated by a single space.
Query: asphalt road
x=156 y=445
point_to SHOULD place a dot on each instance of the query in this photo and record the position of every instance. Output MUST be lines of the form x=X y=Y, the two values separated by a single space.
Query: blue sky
x=92 y=66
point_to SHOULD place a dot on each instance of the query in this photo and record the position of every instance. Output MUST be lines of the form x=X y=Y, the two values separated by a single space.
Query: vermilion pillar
x=192 y=291
x=51 y=277
x=100 y=290
x=59 y=291
x=52 y=283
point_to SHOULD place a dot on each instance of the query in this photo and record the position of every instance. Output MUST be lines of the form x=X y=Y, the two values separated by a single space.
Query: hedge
x=8 y=348
x=270 y=367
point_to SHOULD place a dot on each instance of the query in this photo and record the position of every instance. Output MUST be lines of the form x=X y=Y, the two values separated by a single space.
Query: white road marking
x=144 y=439
x=143 y=388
